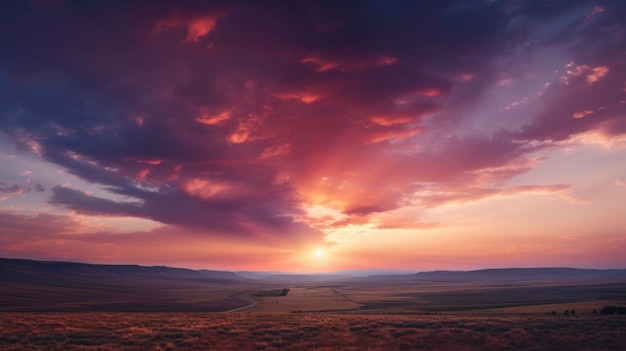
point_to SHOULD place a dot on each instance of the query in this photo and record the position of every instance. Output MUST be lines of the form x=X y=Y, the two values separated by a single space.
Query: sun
x=319 y=253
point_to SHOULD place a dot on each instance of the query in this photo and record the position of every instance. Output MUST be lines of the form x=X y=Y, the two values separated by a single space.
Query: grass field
x=471 y=296
x=315 y=331
x=139 y=308
x=304 y=299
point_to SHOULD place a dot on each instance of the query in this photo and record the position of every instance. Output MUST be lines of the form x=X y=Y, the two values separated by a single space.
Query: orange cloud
x=205 y=189
x=323 y=64
x=143 y=174
x=392 y=135
x=304 y=97
x=151 y=162
x=581 y=114
x=240 y=135
x=597 y=73
x=591 y=74
x=197 y=27
x=386 y=121
x=205 y=117
x=275 y=151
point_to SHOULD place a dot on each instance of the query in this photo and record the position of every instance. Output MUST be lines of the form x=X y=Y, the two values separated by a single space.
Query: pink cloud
x=205 y=117
x=11 y=190
x=240 y=135
x=597 y=73
x=460 y=195
x=348 y=62
x=320 y=64
x=581 y=114
x=591 y=74
x=69 y=237
x=305 y=97
x=196 y=26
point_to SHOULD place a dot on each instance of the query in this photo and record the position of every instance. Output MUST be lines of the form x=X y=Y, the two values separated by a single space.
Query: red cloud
x=197 y=26
x=347 y=63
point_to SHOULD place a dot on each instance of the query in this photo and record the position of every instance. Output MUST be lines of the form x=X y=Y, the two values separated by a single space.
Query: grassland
x=305 y=299
x=481 y=297
x=268 y=331
x=84 y=307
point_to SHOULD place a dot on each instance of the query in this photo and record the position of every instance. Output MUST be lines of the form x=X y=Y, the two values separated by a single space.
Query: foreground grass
x=205 y=331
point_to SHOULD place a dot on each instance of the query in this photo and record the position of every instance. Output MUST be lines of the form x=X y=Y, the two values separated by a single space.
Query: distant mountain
x=256 y=274
x=293 y=277
x=41 y=271
x=338 y=275
x=41 y=286
x=370 y=272
x=506 y=274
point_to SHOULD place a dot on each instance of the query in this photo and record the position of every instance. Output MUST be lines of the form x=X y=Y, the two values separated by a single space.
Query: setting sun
x=319 y=253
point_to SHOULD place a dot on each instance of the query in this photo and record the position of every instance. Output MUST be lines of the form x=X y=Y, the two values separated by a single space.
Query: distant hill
x=41 y=286
x=506 y=275
x=41 y=271
x=293 y=277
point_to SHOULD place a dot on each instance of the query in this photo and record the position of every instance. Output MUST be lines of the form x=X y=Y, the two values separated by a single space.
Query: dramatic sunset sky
x=314 y=136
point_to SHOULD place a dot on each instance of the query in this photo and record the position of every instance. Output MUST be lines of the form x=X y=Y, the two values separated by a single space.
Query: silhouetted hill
x=292 y=277
x=27 y=285
x=41 y=271
x=40 y=286
x=507 y=275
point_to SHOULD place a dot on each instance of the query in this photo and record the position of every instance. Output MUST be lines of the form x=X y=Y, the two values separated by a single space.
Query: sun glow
x=319 y=253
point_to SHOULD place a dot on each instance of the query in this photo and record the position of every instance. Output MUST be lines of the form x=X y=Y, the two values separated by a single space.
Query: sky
x=314 y=136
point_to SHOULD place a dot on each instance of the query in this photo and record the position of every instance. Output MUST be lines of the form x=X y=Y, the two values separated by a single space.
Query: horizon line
x=389 y=270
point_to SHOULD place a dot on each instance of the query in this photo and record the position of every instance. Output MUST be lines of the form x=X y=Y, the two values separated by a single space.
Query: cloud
x=228 y=211
x=197 y=27
x=12 y=189
x=581 y=114
x=17 y=189
x=437 y=197
x=353 y=106
x=71 y=237
x=591 y=74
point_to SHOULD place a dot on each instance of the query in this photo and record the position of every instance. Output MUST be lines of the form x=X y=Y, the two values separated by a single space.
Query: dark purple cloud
x=11 y=189
x=15 y=189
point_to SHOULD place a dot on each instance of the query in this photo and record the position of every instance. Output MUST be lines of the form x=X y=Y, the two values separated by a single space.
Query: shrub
x=608 y=310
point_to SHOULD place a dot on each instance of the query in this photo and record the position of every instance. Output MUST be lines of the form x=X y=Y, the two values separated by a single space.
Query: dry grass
x=202 y=331
x=477 y=296
x=305 y=300
x=586 y=307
